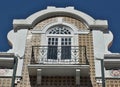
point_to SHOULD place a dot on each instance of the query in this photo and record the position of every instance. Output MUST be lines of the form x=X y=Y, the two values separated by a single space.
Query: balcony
x=59 y=61
x=59 y=55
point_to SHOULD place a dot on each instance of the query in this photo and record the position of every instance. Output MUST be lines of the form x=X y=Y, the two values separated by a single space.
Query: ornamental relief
x=3 y=71
x=115 y=73
x=6 y=72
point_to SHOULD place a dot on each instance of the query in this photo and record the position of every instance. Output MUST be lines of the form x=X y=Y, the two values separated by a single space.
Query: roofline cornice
x=53 y=11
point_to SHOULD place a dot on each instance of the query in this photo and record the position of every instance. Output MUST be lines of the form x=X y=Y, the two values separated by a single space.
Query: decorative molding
x=38 y=16
x=115 y=73
x=6 y=72
x=3 y=72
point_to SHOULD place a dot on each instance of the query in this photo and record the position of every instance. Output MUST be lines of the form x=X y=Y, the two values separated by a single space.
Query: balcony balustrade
x=59 y=55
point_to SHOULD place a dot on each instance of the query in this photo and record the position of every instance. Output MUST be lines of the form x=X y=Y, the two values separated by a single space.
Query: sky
x=21 y=9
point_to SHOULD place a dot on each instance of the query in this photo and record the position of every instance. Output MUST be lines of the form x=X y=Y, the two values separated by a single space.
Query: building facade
x=59 y=47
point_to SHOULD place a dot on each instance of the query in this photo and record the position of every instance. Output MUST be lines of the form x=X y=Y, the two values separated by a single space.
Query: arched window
x=59 y=42
x=59 y=30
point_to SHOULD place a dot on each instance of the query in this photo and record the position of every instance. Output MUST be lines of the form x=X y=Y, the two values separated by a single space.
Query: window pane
x=52 y=52
x=48 y=43
x=52 y=48
x=56 y=39
x=52 y=39
x=52 y=43
x=66 y=43
x=69 y=43
x=59 y=29
x=65 y=39
x=49 y=39
x=66 y=52
x=62 y=39
x=56 y=43
x=70 y=39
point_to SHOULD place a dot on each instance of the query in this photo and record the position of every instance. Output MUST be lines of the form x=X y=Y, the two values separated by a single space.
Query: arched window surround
x=45 y=33
x=64 y=41
x=73 y=28
x=60 y=29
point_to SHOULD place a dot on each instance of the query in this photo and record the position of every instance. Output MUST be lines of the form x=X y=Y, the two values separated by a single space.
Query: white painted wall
x=18 y=41
x=99 y=44
x=108 y=38
x=99 y=48
x=97 y=68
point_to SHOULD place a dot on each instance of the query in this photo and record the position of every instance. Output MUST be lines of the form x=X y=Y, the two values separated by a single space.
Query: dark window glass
x=52 y=48
x=66 y=48
x=52 y=52
x=66 y=52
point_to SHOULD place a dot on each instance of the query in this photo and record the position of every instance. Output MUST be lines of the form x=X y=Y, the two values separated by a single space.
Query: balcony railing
x=59 y=55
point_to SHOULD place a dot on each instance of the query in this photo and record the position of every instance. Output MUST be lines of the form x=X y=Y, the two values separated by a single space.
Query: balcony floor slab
x=58 y=70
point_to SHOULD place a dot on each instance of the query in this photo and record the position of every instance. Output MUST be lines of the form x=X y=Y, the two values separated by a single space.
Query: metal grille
x=76 y=56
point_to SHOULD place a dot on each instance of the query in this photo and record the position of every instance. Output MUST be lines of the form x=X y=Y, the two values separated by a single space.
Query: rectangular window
x=65 y=48
x=52 y=48
x=52 y=52
x=65 y=52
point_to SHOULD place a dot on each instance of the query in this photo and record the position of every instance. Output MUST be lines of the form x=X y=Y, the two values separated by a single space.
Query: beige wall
x=84 y=40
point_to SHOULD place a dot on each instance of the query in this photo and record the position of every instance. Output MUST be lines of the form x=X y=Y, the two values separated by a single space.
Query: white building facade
x=60 y=47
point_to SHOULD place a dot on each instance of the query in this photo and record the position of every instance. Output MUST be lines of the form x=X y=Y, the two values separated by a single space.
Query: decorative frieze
x=115 y=73
x=6 y=72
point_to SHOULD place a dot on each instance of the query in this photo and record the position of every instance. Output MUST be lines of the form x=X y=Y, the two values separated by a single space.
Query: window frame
x=73 y=36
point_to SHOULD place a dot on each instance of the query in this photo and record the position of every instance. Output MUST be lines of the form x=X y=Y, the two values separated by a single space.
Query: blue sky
x=21 y=9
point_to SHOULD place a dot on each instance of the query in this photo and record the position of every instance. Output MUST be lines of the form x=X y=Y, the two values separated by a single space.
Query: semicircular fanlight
x=59 y=30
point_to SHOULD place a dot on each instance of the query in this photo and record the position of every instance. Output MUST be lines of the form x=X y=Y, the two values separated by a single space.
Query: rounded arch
x=71 y=27
x=32 y=20
x=59 y=29
x=50 y=12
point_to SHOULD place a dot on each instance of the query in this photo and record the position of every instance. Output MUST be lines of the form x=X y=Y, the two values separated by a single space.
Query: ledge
x=112 y=55
x=6 y=60
x=59 y=70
